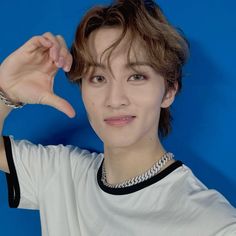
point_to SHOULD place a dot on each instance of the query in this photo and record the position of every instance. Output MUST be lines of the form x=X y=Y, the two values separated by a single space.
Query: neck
x=127 y=162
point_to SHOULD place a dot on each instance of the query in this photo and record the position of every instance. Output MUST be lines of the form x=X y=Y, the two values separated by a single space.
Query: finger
x=65 y=54
x=35 y=43
x=65 y=59
x=61 y=41
x=45 y=42
x=58 y=103
x=55 y=49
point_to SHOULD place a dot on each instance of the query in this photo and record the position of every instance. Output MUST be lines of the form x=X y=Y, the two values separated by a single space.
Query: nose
x=116 y=95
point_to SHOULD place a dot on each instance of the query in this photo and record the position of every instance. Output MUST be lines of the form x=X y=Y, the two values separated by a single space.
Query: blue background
x=204 y=113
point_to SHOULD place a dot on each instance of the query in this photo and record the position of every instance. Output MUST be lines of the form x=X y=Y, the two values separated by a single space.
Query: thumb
x=58 y=103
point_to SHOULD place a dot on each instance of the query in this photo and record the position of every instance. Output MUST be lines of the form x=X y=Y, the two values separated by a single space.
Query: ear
x=169 y=96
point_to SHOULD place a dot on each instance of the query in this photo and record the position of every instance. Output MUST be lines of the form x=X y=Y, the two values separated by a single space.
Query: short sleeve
x=32 y=167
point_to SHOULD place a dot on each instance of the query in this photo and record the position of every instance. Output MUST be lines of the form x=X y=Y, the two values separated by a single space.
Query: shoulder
x=195 y=189
x=201 y=204
x=56 y=156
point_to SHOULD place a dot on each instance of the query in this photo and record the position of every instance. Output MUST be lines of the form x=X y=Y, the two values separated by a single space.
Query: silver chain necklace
x=140 y=178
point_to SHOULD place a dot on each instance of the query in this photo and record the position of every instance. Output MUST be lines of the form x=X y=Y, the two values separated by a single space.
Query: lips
x=119 y=120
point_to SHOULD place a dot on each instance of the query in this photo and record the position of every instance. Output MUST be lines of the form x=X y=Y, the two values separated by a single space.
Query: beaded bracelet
x=9 y=103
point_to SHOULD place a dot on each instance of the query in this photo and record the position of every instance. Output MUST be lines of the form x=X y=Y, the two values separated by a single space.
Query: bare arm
x=4 y=111
x=27 y=75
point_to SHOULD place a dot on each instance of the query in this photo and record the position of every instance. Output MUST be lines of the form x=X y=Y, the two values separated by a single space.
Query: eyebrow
x=130 y=64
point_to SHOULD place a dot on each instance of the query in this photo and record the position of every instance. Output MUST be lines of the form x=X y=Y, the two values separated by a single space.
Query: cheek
x=149 y=106
x=91 y=102
x=151 y=97
x=94 y=113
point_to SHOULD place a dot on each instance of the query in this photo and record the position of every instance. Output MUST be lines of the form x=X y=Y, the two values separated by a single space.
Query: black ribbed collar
x=139 y=186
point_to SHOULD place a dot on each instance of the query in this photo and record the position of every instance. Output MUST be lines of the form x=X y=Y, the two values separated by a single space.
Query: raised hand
x=27 y=75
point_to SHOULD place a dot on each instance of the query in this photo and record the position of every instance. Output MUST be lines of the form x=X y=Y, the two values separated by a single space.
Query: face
x=138 y=94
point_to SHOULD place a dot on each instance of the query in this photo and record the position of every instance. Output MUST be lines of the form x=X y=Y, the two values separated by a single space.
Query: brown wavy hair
x=165 y=46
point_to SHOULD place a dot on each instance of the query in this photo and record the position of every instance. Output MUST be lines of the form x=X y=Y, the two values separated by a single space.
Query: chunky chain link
x=155 y=169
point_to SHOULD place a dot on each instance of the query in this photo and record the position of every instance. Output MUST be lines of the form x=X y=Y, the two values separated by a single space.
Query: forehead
x=101 y=39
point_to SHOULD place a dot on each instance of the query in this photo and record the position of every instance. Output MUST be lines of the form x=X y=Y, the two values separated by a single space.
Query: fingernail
x=61 y=61
x=67 y=68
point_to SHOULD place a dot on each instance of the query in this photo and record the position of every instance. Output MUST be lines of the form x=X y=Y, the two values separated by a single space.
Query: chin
x=119 y=142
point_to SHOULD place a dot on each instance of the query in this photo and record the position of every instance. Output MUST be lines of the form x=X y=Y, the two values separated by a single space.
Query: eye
x=97 y=79
x=137 y=77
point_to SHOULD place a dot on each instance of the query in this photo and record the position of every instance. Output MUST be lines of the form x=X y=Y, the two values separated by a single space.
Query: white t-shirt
x=64 y=184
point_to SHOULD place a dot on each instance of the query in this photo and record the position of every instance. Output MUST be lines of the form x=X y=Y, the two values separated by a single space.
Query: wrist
x=4 y=99
x=8 y=102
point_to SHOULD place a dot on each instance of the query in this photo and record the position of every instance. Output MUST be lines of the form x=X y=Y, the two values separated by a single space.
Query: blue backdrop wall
x=204 y=113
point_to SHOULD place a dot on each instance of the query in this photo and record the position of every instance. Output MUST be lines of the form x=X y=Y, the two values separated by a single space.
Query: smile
x=119 y=121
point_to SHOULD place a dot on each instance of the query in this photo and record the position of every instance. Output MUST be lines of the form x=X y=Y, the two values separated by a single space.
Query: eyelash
x=140 y=75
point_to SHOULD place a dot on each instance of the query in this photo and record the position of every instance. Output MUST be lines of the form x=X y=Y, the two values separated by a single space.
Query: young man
x=128 y=61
